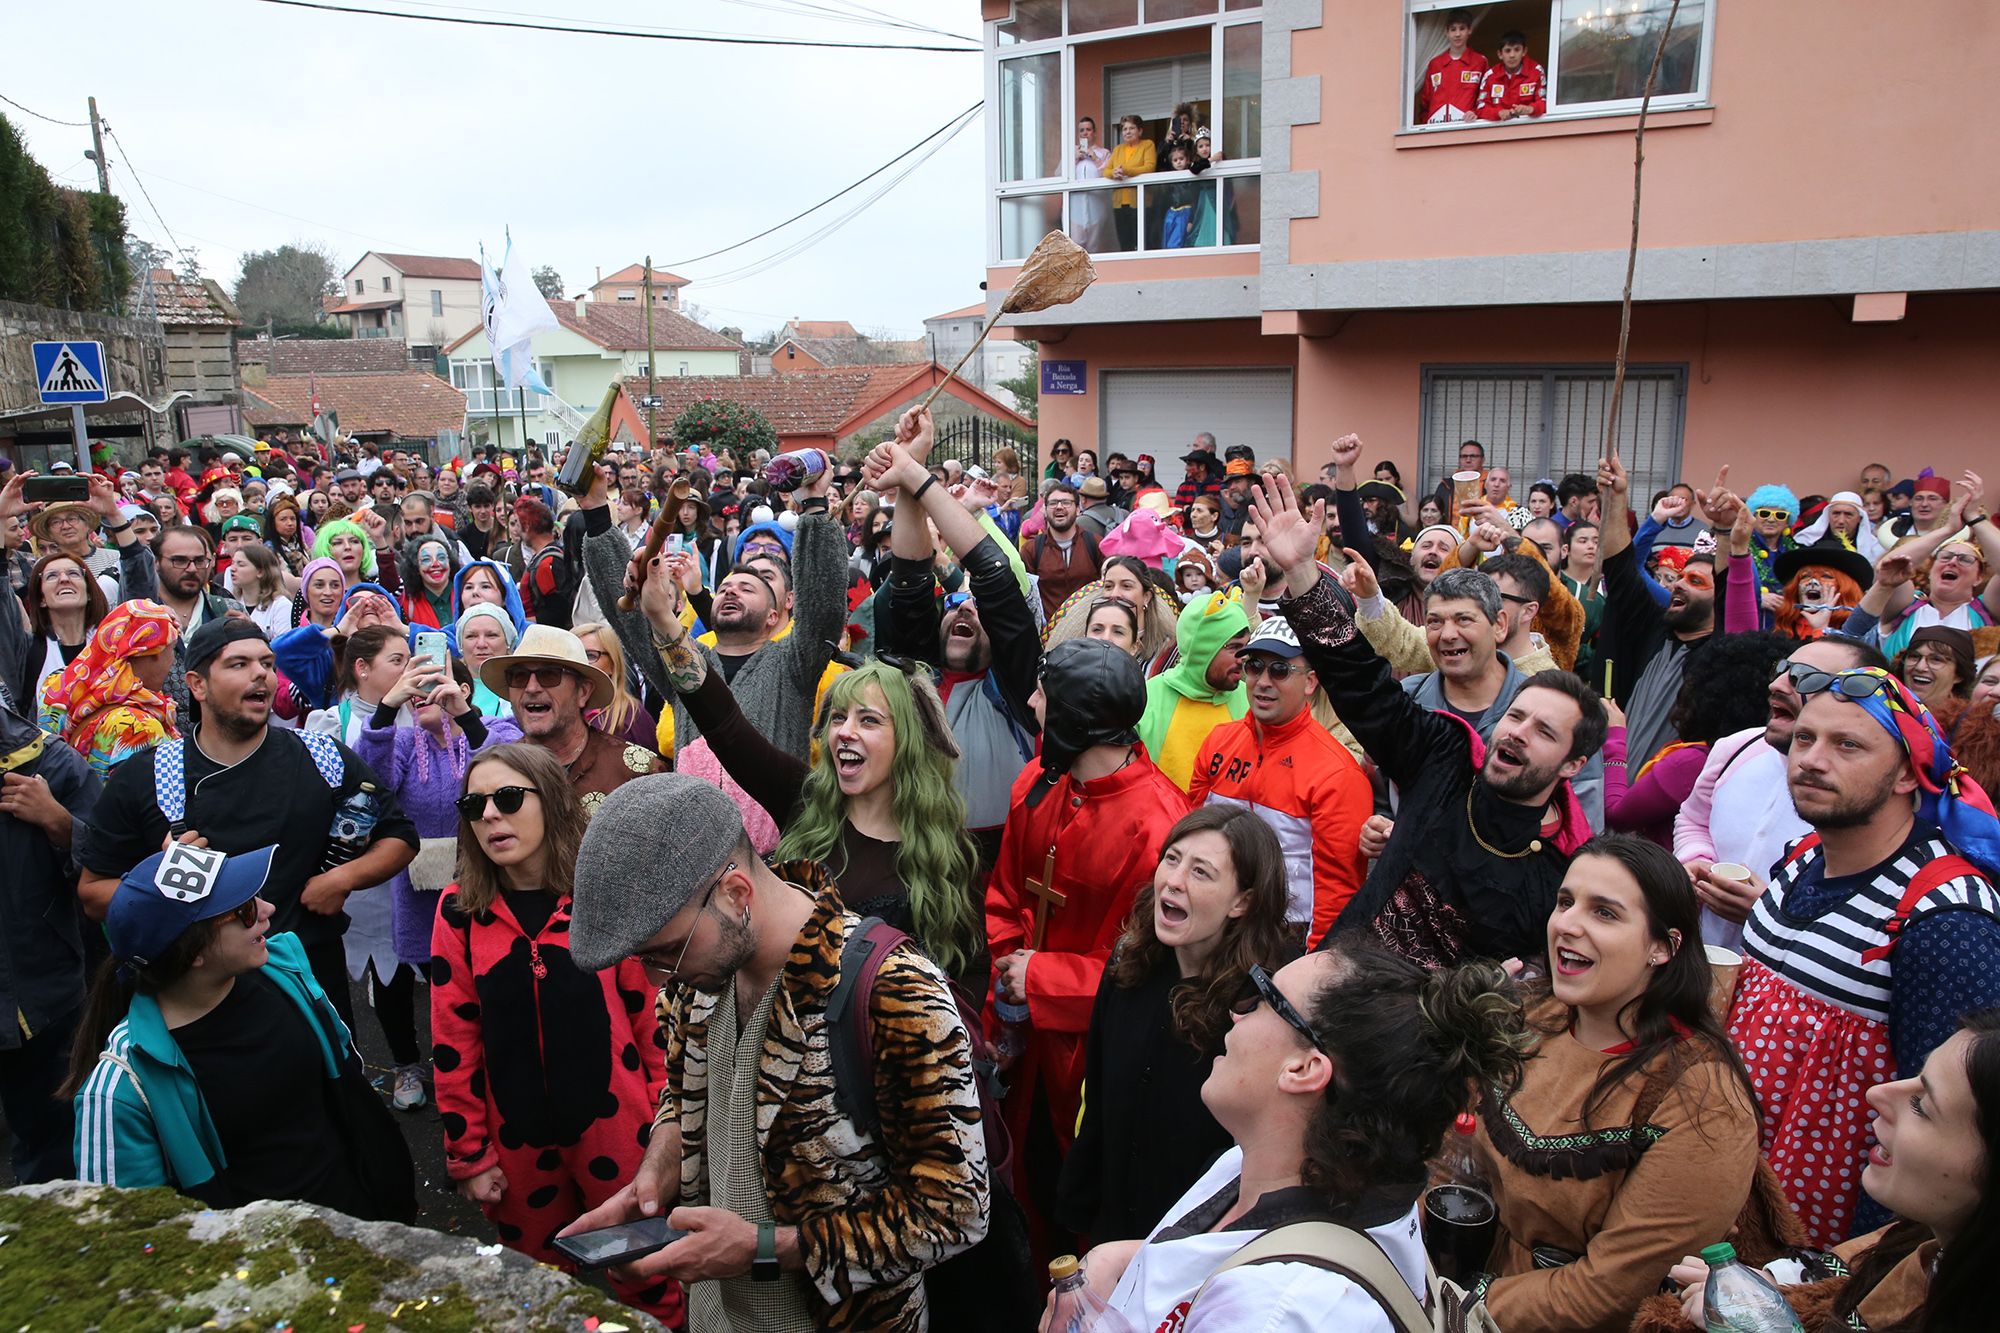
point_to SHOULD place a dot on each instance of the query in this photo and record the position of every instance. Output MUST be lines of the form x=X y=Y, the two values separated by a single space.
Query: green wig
x=323 y=543
x=935 y=859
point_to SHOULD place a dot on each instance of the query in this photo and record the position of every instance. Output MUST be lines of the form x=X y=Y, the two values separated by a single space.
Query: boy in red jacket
x=1450 y=89
x=1517 y=88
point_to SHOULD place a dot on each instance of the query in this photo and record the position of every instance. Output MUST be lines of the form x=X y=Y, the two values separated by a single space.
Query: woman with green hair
x=876 y=811
x=347 y=544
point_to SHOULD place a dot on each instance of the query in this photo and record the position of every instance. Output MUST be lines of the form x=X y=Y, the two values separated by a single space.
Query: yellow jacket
x=1137 y=159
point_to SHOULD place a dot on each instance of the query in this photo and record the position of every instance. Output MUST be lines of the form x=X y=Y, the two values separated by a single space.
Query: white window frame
x=485 y=386
x=1696 y=97
x=1223 y=18
x=437 y=303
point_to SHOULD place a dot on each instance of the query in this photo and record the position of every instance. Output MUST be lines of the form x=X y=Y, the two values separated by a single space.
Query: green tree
x=1026 y=387
x=549 y=283
x=285 y=285
x=58 y=246
x=715 y=424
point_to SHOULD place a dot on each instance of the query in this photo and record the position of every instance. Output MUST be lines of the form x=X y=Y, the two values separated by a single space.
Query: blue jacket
x=158 y=1131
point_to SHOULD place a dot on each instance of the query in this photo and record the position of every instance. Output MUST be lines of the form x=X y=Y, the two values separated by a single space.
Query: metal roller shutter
x=1159 y=412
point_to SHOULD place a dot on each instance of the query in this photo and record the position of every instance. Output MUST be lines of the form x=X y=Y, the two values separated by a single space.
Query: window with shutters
x=1062 y=74
x=1546 y=421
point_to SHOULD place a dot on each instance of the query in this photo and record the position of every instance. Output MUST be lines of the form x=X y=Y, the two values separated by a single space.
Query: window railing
x=503 y=400
x=1163 y=212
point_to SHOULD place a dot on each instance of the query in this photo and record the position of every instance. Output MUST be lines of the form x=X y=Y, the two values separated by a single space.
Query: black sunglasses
x=1258 y=988
x=246 y=912
x=548 y=677
x=1277 y=668
x=507 y=800
x=1811 y=680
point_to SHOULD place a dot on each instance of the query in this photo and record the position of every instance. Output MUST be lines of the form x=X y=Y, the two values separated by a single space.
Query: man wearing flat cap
x=800 y=1213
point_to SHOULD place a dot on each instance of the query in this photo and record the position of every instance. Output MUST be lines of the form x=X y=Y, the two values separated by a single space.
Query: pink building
x=1817 y=277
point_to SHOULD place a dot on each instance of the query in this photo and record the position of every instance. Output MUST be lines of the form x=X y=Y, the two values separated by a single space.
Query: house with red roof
x=628 y=287
x=426 y=301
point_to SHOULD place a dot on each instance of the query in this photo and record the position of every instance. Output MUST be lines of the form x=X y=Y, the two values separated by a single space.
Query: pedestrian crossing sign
x=70 y=372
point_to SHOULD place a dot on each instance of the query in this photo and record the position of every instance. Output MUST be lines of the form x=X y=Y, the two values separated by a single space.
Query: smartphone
x=676 y=544
x=618 y=1245
x=433 y=644
x=55 y=490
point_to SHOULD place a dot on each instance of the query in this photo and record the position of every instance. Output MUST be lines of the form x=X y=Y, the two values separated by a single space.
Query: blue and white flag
x=515 y=311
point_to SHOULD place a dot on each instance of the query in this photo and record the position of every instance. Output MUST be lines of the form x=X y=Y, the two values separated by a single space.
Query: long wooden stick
x=950 y=375
x=656 y=536
x=1632 y=251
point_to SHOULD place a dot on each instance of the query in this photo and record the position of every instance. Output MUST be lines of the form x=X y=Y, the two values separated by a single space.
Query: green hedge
x=58 y=247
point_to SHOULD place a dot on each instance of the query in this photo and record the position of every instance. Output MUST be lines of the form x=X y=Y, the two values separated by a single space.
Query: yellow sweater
x=1137 y=159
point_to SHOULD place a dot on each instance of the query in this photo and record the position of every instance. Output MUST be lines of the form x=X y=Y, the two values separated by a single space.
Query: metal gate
x=972 y=440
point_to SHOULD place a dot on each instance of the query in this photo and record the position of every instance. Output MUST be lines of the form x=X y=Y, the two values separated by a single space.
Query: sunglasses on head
x=548 y=677
x=1277 y=668
x=507 y=800
x=1258 y=988
x=1808 y=680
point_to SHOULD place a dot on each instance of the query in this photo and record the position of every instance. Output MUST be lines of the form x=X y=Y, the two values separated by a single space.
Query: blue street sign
x=71 y=372
x=1067 y=377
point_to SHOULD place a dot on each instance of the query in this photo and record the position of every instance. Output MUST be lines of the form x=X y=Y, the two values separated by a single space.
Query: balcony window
x=1194 y=62
x=475 y=379
x=1031 y=117
x=1593 y=55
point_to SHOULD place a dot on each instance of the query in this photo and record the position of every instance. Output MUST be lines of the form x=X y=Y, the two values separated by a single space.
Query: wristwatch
x=764 y=1268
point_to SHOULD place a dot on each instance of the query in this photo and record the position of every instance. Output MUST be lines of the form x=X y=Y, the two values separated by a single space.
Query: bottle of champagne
x=579 y=469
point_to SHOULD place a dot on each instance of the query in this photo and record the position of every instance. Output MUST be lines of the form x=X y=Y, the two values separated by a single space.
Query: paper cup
x=1723 y=965
x=1730 y=870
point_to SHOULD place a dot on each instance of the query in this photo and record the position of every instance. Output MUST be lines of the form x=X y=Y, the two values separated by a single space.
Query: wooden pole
x=1632 y=250
x=976 y=342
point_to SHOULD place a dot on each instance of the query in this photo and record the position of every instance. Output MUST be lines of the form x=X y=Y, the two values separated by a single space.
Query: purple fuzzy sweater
x=426 y=796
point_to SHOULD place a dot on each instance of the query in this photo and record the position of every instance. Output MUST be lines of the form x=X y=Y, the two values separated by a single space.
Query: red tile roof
x=810 y=402
x=326 y=356
x=181 y=303
x=410 y=403
x=350 y=307
x=823 y=328
x=856 y=351
x=967 y=313
x=622 y=328
x=633 y=274
x=431 y=266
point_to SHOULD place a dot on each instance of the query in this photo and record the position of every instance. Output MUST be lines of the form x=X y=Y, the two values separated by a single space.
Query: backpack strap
x=1799 y=850
x=1338 y=1249
x=326 y=757
x=1941 y=871
x=851 y=1041
x=131 y=1075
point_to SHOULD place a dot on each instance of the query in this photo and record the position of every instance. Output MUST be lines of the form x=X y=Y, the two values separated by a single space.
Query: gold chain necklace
x=1534 y=844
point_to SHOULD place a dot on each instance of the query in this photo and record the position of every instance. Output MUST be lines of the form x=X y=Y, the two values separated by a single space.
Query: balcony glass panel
x=1160 y=11
x=1025 y=219
x=1243 y=90
x=1608 y=47
x=1033 y=21
x=1031 y=128
x=1097 y=15
x=1243 y=201
x=1180 y=215
x=1234 y=5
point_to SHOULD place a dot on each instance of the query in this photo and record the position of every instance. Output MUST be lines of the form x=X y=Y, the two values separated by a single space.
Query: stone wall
x=134 y=350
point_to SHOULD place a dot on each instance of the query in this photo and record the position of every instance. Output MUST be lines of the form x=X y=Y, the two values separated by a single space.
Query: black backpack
x=993 y=1284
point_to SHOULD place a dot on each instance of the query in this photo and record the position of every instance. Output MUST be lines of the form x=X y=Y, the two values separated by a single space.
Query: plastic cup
x=1465 y=488
x=1723 y=965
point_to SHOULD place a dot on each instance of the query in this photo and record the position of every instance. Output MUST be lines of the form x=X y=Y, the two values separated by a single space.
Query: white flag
x=514 y=312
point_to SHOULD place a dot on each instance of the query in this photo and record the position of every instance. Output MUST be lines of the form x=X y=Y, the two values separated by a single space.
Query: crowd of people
x=901 y=880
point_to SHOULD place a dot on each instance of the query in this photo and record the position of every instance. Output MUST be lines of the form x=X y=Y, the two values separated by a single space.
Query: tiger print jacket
x=872 y=1215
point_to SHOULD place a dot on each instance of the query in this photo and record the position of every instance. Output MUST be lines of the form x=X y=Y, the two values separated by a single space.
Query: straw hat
x=39 y=524
x=545 y=645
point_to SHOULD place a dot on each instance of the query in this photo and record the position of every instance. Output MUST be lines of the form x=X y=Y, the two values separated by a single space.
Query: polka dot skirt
x=1812 y=1064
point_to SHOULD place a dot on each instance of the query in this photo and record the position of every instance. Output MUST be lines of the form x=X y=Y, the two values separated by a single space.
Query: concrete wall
x=1791 y=390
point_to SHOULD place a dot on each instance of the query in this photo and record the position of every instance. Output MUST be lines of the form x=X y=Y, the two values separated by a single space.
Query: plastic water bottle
x=1076 y=1308
x=789 y=471
x=353 y=822
x=1739 y=1299
x=1013 y=1042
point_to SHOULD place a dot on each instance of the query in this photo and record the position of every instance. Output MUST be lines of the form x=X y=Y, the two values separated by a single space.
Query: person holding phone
x=537 y=1130
x=1090 y=210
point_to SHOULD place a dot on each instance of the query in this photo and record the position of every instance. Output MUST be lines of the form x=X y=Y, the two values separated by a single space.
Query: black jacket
x=41 y=924
x=910 y=626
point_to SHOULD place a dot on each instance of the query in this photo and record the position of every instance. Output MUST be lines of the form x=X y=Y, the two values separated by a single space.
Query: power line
x=132 y=170
x=67 y=124
x=865 y=17
x=712 y=38
x=955 y=120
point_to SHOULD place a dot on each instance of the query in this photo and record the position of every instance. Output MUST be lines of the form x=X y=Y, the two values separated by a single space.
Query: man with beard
x=773 y=678
x=1485 y=835
x=1083 y=836
x=1062 y=557
x=1880 y=928
x=186 y=564
x=798 y=1215
x=983 y=637
x=1649 y=646
x=548 y=681
x=1740 y=811
x=238 y=784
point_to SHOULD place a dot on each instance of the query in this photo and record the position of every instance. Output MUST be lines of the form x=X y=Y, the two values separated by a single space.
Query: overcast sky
x=387 y=134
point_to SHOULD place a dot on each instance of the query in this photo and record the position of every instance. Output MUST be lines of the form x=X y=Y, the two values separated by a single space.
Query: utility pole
x=97 y=147
x=652 y=395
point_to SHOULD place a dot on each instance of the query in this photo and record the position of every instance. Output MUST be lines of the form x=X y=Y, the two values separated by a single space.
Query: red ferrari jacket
x=1528 y=86
x=1453 y=83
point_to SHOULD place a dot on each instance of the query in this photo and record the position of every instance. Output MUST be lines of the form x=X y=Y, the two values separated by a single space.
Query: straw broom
x=1055 y=273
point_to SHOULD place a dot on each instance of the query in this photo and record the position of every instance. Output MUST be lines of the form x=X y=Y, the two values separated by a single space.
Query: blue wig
x=1771 y=496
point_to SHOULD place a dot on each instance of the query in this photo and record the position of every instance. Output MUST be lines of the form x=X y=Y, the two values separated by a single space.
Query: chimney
x=600 y=273
x=579 y=305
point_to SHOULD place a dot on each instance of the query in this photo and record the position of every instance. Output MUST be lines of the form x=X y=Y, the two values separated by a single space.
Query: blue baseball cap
x=171 y=890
